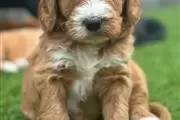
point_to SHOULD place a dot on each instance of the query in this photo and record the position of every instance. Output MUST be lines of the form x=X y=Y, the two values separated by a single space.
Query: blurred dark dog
x=149 y=30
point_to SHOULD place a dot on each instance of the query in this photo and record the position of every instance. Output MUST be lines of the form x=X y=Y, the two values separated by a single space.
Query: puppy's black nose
x=92 y=24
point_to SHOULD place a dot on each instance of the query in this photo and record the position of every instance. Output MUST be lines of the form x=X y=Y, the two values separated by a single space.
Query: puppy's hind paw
x=152 y=117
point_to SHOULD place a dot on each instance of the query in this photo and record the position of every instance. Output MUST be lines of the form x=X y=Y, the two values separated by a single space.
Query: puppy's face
x=90 y=21
x=95 y=20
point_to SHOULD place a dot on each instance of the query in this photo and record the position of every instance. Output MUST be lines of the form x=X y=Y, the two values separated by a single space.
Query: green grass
x=160 y=61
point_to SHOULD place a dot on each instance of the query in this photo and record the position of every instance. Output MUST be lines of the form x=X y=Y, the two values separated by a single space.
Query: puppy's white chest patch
x=87 y=63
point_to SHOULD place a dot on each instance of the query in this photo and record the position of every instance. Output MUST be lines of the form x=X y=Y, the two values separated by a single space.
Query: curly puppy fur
x=79 y=74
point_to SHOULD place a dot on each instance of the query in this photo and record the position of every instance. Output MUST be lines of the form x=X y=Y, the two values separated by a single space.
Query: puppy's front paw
x=63 y=64
x=152 y=117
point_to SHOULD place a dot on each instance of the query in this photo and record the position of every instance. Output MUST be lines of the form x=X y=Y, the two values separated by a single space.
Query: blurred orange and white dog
x=15 y=46
x=82 y=67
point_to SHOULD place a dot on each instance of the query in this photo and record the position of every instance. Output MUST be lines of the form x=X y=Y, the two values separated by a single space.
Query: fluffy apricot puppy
x=82 y=68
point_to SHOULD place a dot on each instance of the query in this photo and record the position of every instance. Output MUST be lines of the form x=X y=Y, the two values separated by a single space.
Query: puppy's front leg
x=114 y=87
x=139 y=104
x=53 y=106
x=139 y=101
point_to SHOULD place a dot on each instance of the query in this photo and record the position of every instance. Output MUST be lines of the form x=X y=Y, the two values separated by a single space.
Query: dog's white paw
x=63 y=63
x=152 y=117
x=22 y=62
x=9 y=67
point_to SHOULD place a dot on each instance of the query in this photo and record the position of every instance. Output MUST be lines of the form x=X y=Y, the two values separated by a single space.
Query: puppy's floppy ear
x=47 y=14
x=131 y=11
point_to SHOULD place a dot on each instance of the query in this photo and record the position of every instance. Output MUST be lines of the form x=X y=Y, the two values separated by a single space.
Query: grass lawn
x=160 y=61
